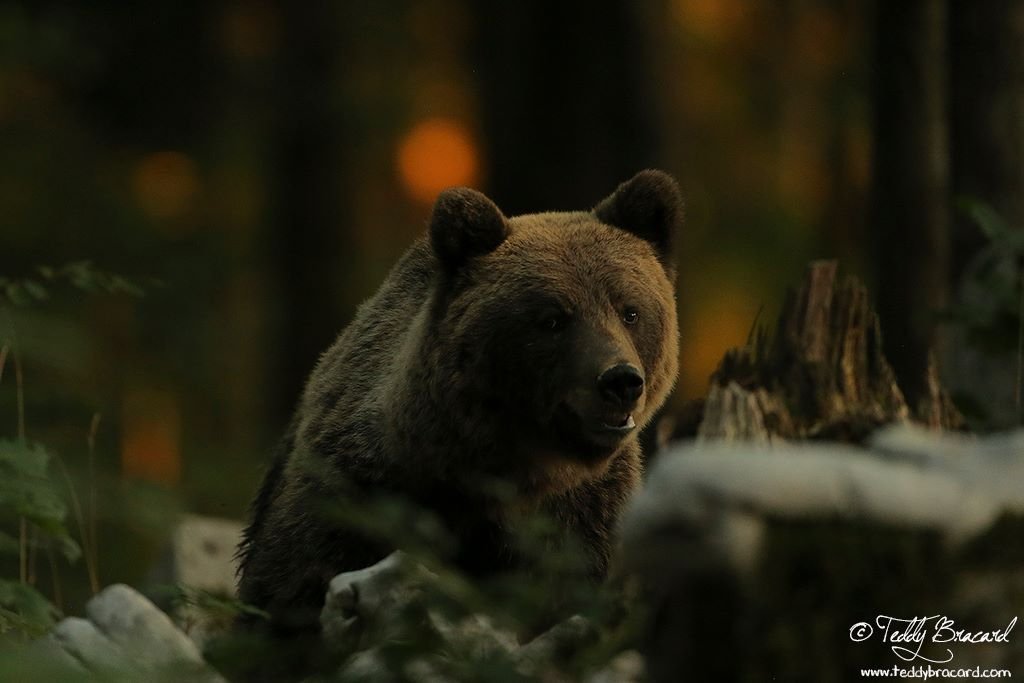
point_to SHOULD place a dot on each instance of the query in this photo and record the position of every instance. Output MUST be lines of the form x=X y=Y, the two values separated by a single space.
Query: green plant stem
x=22 y=550
x=22 y=522
x=19 y=382
x=76 y=507
x=58 y=598
x=33 y=550
x=92 y=552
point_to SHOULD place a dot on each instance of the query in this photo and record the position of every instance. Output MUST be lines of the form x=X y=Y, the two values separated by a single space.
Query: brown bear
x=527 y=350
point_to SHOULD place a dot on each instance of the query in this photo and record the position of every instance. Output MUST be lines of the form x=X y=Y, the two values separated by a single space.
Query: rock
x=204 y=553
x=394 y=601
x=126 y=636
x=133 y=622
x=363 y=606
x=80 y=639
x=701 y=487
x=755 y=556
x=627 y=667
x=562 y=637
x=57 y=663
x=993 y=464
x=202 y=558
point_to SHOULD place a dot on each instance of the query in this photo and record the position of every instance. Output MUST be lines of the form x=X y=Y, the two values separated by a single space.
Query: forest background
x=195 y=196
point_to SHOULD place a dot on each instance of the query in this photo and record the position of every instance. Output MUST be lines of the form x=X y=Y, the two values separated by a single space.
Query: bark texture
x=823 y=374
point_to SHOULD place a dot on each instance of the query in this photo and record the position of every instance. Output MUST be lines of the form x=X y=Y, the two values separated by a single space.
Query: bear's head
x=558 y=328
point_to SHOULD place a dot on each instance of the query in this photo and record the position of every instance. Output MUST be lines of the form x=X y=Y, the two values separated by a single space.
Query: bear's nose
x=621 y=384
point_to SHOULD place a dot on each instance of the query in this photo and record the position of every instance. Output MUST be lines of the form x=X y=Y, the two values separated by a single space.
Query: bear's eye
x=630 y=316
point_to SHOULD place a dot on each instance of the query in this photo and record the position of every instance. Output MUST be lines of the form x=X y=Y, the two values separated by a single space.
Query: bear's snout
x=621 y=385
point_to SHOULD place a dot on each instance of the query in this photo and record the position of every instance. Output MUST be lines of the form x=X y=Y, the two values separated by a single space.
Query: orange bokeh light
x=166 y=184
x=710 y=18
x=150 y=437
x=435 y=154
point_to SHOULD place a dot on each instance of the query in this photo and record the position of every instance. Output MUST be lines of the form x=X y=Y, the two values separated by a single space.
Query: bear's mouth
x=621 y=423
x=596 y=437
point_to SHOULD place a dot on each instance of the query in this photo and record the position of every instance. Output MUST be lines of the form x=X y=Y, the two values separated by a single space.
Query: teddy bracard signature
x=910 y=638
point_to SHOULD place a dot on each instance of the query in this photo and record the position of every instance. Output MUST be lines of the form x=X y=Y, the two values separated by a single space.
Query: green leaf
x=35 y=289
x=36 y=500
x=27 y=491
x=63 y=544
x=83 y=282
x=78 y=267
x=24 y=609
x=984 y=216
x=68 y=547
x=120 y=284
x=79 y=274
x=24 y=458
x=209 y=602
x=17 y=295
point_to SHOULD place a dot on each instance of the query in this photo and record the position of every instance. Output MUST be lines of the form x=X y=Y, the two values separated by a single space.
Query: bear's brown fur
x=529 y=350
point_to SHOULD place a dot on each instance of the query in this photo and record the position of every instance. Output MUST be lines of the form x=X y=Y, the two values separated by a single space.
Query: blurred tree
x=987 y=114
x=910 y=183
x=987 y=150
x=308 y=217
x=566 y=100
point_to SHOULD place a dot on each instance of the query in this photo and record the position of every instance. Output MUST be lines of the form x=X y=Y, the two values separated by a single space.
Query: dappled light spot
x=720 y=323
x=151 y=437
x=709 y=97
x=821 y=42
x=249 y=31
x=435 y=154
x=165 y=184
x=858 y=155
x=803 y=180
x=713 y=19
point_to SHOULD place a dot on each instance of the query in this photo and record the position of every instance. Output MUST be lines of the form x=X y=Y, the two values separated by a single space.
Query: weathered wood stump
x=760 y=562
x=822 y=374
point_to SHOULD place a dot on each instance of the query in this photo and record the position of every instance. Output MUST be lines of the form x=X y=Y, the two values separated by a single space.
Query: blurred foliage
x=990 y=302
x=408 y=633
x=31 y=501
x=81 y=275
x=221 y=608
x=24 y=611
x=27 y=493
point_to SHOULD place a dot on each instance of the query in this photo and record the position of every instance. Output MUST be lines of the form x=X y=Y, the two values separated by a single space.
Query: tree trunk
x=987 y=126
x=308 y=217
x=911 y=177
x=567 y=101
x=987 y=114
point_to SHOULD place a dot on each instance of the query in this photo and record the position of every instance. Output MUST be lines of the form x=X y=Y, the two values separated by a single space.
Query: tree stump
x=822 y=373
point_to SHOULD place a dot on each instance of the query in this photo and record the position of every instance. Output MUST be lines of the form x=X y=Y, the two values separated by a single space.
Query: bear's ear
x=650 y=206
x=465 y=224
